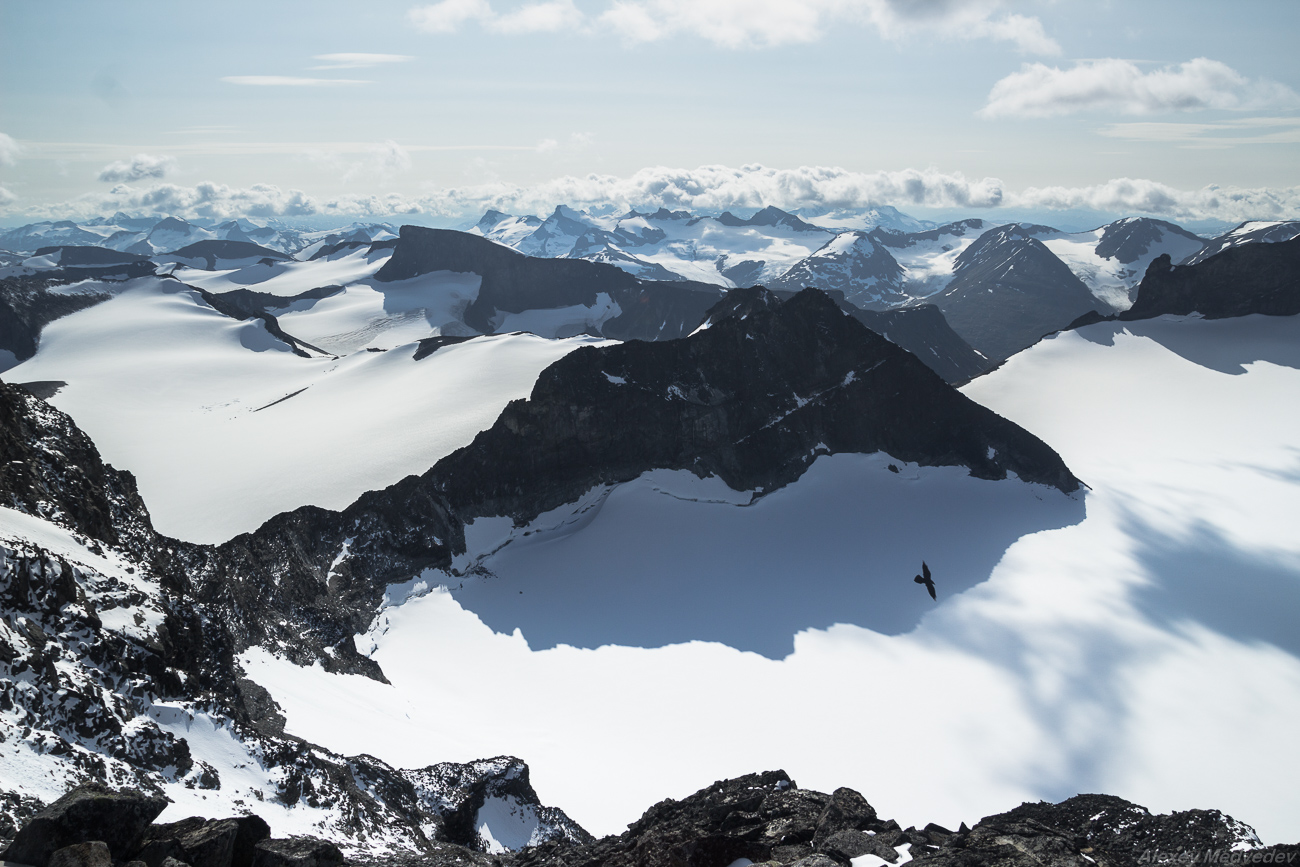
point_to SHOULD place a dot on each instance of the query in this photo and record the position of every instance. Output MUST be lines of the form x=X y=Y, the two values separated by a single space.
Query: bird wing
x=930 y=587
x=925 y=570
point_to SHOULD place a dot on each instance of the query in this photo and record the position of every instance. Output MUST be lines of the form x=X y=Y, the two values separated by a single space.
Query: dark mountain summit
x=1127 y=240
x=1009 y=290
x=212 y=251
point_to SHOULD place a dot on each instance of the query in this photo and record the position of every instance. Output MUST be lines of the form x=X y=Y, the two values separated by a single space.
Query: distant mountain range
x=998 y=287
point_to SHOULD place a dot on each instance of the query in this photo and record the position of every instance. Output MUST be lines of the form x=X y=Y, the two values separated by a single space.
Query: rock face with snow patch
x=514 y=283
x=1251 y=232
x=853 y=264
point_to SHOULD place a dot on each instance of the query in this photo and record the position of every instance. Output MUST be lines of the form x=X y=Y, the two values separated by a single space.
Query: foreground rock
x=93 y=812
x=762 y=818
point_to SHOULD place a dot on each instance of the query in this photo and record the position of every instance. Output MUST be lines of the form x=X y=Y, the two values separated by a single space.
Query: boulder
x=205 y=842
x=92 y=854
x=89 y=812
x=297 y=852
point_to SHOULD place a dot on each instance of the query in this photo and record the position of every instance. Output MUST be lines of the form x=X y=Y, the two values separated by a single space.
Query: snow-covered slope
x=1250 y=232
x=1070 y=667
x=928 y=258
x=224 y=426
x=1112 y=259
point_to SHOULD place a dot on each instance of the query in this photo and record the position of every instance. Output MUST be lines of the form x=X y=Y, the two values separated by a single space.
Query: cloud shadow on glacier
x=1210 y=581
x=651 y=567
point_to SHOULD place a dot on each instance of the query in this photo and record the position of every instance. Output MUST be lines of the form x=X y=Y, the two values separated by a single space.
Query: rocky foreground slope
x=756 y=819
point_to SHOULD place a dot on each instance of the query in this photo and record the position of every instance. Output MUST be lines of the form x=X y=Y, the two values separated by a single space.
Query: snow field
x=224 y=427
x=1146 y=651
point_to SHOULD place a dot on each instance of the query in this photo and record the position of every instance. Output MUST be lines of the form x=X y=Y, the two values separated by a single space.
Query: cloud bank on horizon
x=707 y=189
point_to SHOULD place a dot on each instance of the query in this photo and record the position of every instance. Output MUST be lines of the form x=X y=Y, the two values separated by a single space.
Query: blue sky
x=1187 y=110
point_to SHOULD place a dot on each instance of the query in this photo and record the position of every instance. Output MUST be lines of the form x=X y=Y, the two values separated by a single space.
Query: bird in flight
x=924 y=578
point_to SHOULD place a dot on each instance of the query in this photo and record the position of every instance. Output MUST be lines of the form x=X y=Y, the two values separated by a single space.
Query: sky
x=435 y=111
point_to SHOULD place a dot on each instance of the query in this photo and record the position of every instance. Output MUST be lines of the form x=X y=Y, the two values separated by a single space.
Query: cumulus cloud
x=140 y=167
x=359 y=61
x=6 y=197
x=9 y=150
x=959 y=19
x=289 y=81
x=1118 y=85
x=749 y=23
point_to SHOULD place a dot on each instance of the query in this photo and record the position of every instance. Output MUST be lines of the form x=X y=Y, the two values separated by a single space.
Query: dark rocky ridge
x=767 y=819
x=1252 y=278
x=212 y=250
x=751 y=399
x=513 y=282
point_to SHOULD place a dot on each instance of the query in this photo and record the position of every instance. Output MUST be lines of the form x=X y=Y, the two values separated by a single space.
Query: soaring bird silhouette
x=924 y=578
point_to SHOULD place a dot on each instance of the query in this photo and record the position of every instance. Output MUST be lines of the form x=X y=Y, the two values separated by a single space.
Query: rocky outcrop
x=93 y=812
x=764 y=818
x=1251 y=278
x=767 y=819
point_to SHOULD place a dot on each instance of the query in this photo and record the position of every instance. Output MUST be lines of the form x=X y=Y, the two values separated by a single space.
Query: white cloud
x=1139 y=196
x=140 y=167
x=749 y=23
x=1116 y=85
x=359 y=61
x=448 y=15
x=958 y=19
x=729 y=23
x=9 y=150
x=549 y=17
x=6 y=197
x=718 y=188
x=288 y=81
